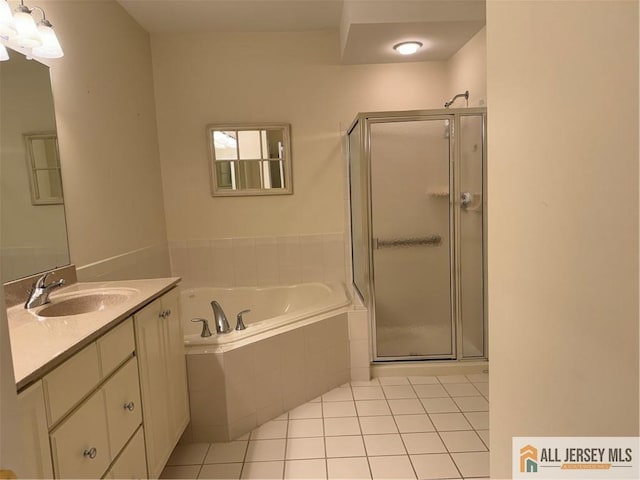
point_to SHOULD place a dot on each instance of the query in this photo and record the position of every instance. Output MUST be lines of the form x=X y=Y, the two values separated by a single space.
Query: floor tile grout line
x=244 y=457
x=286 y=444
x=403 y=442
x=324 y=440
x=450 y=456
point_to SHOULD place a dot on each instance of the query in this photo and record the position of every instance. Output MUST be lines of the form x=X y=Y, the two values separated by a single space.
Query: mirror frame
x=216 y=191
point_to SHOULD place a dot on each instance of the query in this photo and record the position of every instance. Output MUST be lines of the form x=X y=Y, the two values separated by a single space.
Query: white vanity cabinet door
x=122 y=398
x=35 y=435
x=74 y=440
x=131 y=463
x=162 y=368
x=178 y=390
x=154 y=383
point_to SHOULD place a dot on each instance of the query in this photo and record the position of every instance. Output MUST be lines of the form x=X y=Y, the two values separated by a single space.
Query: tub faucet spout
x=222 y=324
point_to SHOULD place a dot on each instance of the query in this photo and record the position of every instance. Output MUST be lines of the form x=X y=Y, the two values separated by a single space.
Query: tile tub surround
x=233 y=391
x=259 y=261
x=340 y=435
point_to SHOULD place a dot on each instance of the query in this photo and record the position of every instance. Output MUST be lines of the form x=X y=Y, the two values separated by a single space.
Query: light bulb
x=407 y=48
x=50 y=47
x=4 y=55
x=28 y=35
x=6 y=20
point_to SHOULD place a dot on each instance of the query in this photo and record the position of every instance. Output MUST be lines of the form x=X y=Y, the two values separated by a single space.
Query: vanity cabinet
x=115 y=409
x=163 y=378
x=93 y=405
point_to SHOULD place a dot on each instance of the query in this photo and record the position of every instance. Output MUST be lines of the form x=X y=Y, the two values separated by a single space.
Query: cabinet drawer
x=124 y=409
x=115 y=346
x=132 y=463
x=73 y=440
x=65 y=386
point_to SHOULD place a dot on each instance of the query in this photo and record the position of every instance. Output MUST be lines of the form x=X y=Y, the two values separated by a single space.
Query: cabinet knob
x=129 y=406
x=169 y=312
x=162 y=314
x=91 y=453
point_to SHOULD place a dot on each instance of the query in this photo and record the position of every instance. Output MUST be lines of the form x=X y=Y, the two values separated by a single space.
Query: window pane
x=225 y=145
x=45 y=154
x=248 y=175
x=49 y=184
x=275 y=142
x=249 y=144
x=276 y=171
x=223 y=174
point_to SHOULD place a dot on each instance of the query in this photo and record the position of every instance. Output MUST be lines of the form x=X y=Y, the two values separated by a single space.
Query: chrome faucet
x=222 y=324
x=39 y=294
x=205 y=326
x=240 y=323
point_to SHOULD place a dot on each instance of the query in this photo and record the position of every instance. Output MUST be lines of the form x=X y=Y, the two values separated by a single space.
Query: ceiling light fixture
x=407 y=48
x=20 y=30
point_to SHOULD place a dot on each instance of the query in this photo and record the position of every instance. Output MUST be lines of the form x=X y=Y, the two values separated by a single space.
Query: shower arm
x=465 y=95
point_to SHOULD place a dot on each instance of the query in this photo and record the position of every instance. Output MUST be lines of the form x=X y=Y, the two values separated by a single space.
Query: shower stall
x=418 y=229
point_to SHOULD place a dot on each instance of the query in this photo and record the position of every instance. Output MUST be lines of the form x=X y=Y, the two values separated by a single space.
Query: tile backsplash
x=259 y=261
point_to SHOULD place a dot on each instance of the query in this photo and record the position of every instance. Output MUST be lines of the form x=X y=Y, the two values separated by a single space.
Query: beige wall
x=563 y=221
x=103 y=92
x=467 y=70
x=284 y=77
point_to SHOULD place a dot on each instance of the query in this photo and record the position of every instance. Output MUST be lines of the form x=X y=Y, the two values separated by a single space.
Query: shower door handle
x=430 y=240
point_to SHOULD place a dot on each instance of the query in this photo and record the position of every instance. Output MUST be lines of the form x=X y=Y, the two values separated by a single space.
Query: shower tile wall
x=259 y=261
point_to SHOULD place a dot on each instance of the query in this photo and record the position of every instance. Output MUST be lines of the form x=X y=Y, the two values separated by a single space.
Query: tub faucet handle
x=240 y=323
x=205 y=326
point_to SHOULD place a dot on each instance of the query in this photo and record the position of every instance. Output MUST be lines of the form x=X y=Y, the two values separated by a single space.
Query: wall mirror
x=33 y=233
x=250 y=159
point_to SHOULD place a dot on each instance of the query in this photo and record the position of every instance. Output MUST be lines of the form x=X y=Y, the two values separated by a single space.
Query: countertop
x=39 y=344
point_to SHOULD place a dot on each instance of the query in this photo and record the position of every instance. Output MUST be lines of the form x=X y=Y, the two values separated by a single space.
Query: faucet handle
x=205 y=326
x=40 y=283
x=240 y=323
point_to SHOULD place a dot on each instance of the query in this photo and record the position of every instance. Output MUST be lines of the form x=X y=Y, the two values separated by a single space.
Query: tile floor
x=397 y=428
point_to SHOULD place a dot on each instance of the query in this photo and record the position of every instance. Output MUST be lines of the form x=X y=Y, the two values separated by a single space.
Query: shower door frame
x=363 y=121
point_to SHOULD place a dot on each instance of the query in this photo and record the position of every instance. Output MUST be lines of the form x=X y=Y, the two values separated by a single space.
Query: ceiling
x=368 y=28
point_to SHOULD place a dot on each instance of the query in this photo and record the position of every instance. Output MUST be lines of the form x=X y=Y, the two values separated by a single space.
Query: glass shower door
x=470 y=234
x=411 y=228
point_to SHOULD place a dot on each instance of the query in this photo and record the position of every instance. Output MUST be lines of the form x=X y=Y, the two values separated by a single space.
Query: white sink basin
x=85 y=302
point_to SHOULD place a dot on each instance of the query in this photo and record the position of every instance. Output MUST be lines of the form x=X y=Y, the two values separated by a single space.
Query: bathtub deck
x=391 y=427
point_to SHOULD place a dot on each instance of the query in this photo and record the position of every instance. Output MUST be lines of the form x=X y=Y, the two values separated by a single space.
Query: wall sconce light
x=20 y=29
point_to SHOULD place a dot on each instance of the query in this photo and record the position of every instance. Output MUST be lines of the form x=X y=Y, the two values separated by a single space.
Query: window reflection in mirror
x=43 y=166
x=250 y=159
